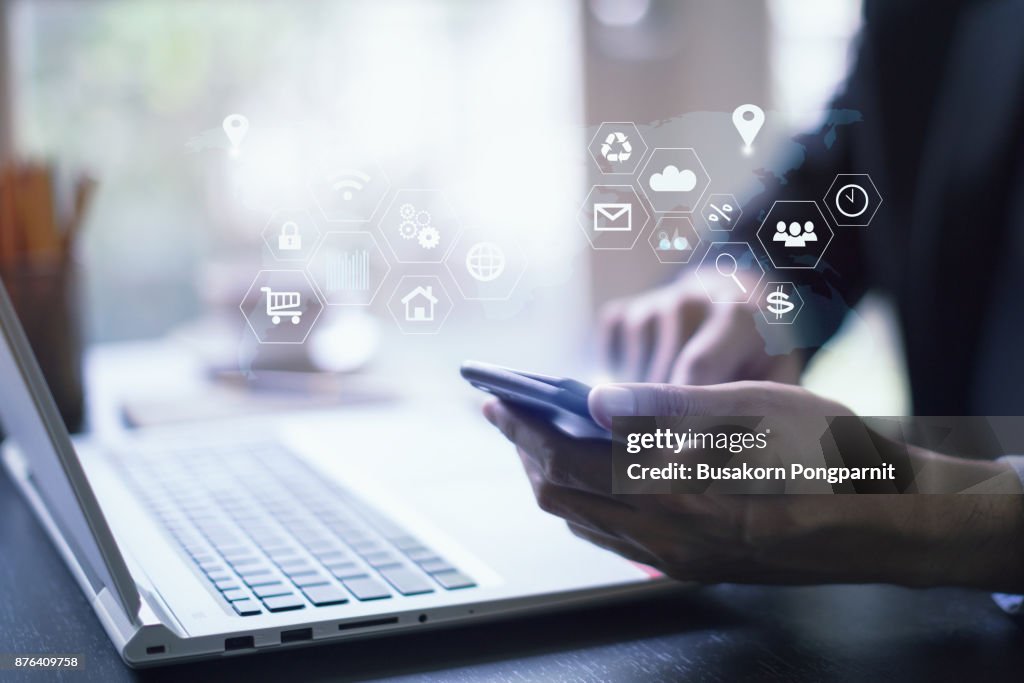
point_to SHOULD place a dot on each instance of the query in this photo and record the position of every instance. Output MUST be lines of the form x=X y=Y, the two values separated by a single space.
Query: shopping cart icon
x=283 y=303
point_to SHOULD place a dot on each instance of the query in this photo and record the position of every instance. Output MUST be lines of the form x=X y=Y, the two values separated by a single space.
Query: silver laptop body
x=252 y=535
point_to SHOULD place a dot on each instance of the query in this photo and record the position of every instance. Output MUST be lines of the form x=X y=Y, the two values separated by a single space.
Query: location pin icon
x=748 y=119
x=236 y=126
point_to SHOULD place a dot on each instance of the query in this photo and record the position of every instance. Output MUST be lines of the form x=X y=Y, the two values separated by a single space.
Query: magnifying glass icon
x=729 y=269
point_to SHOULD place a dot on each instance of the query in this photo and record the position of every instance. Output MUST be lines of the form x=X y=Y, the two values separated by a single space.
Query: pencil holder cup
x=44 y=297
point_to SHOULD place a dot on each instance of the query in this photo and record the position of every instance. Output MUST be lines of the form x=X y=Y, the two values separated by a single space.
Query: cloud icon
x=671 y=179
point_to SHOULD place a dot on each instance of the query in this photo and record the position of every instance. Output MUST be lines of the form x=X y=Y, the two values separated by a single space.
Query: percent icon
x=723 y=214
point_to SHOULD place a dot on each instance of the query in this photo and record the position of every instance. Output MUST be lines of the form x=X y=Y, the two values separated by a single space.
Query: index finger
x=584 y=464
x=610 y=334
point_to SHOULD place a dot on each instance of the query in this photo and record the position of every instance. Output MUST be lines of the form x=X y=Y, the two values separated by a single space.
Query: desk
x=724 y=633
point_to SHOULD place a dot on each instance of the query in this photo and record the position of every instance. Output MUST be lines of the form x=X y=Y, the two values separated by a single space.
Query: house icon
x=419 y=304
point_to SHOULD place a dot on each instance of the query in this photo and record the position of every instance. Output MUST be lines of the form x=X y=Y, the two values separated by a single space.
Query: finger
x=737 y=398
x=639 y=329
x=619 y=546
x=724 y=344
x=564 y=461
x=604 y=513
x=674 y=330
x=610 y=333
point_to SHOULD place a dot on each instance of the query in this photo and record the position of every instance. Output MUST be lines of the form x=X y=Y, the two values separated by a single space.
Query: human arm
x=913 y=540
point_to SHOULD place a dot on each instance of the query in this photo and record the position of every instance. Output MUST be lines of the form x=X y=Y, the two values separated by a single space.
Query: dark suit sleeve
x=840 y=144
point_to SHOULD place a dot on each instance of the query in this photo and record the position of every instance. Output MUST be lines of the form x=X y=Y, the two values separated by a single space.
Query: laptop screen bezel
x=55 y=471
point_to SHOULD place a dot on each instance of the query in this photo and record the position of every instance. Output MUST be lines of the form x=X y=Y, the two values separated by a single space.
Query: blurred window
x=444 y=87
x=811 y=53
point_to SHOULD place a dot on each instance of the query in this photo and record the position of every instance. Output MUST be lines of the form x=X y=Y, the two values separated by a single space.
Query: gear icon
x=408 y=230
x=423 y=218
x=428 y=237
x=407 y=211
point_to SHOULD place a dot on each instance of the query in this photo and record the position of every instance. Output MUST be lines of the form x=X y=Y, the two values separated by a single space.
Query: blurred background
x=492 y=101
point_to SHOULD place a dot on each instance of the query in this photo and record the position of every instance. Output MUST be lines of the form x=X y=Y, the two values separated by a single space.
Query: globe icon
x=485 y=261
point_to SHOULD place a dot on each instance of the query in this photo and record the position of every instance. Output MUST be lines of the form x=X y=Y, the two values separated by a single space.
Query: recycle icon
x=616 y=147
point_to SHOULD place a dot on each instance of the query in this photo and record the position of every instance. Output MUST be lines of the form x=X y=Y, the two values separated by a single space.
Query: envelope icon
x=613 y=217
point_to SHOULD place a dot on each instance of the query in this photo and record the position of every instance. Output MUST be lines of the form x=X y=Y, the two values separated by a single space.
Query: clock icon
x=852 y=200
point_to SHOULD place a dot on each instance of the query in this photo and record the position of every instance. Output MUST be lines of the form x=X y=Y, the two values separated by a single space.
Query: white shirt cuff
x=1016 y=462
x=1012 y=604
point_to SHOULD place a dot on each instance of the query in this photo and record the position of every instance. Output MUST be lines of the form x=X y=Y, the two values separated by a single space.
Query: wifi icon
x=348 y=182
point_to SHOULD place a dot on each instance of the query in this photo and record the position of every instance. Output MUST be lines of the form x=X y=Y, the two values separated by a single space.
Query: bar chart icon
x=348 y=271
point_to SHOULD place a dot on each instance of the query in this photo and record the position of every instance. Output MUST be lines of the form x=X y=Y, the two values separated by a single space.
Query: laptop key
x=231 y=551
x=332 y=555
x=367 y=545
x=266 y=580
x=285 y=557
x=312 y=579
x=381 y=558
x=247 y=607
x=292 y=572
x=418 y=553
x=346 y=570
x=405 y=542
x=453 y=580
x=271 y=589
x=233 y=594
x=324 y=595
x=283 y=603
x=406 y=581
x=226 y=584
x=258 y=570
x=275 y=545
x=434 y=565
x=321 y=545
x=366 y=588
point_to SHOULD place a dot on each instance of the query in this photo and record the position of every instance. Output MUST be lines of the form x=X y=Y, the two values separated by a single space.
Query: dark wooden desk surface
x=725 y=633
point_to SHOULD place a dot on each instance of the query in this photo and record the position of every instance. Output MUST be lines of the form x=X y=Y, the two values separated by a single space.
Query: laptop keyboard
x=272 y=536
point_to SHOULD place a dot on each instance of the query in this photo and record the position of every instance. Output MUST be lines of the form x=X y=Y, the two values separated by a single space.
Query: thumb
x=622 y=400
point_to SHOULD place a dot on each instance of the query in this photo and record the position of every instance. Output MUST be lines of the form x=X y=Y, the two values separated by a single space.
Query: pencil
x=85 y=188
x=48 y=239
x=8 y=248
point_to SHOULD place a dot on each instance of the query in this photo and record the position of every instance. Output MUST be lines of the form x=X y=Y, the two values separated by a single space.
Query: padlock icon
x=289 y=239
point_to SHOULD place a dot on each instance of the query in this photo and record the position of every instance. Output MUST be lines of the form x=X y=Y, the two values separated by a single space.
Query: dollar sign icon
x=779 y=303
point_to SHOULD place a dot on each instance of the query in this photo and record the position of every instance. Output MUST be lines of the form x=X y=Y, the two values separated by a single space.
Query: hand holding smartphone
x=561 y=401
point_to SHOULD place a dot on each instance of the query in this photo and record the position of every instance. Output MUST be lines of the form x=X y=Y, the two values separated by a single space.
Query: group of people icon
x=796 y=235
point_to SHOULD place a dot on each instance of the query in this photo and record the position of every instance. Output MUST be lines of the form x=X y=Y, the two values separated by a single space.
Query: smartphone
x=561 y=401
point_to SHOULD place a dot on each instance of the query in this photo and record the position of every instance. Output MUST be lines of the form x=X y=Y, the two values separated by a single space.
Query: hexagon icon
x=420 y=304
x=617 y=147
x=721 y=212
x=281 y=306
x=348 y=191
x=420 y=226
x=486 y=267
x=674 y=180
x=348 y=268
x=853 y=200
x=612 y=216
x=291 y=234
x=795 y=234
x=674 y=239
x=780 y=303
x=729 y=272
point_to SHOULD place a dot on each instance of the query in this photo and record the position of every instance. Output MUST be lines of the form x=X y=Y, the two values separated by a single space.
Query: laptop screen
x=32 y=424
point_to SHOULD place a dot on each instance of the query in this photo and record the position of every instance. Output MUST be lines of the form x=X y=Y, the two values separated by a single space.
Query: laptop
x=251 y=535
